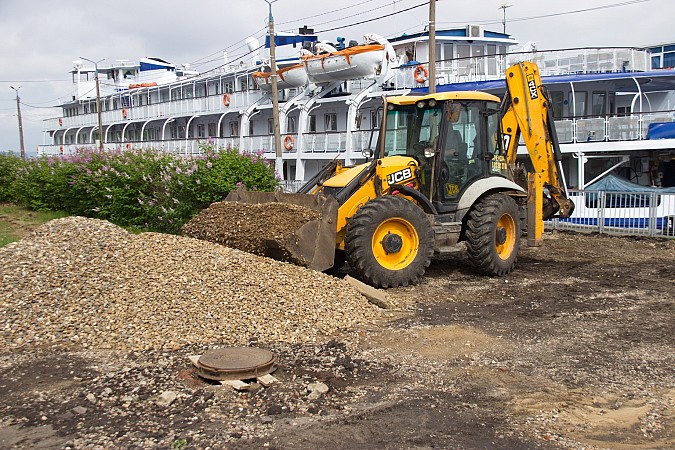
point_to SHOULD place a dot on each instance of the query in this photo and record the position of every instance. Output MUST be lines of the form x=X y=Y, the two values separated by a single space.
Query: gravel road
x=574 y=349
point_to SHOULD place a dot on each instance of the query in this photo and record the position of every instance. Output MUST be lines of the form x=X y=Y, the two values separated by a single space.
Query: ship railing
x=620 y=213
x=586 y=60
x=610 y=127
x=451 y=71
x=550 y=62
x=324 y=142
x=134 y=111
x=291 y=186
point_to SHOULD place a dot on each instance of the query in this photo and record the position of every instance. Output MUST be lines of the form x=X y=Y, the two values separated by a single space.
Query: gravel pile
x=248 y=226
x=92 y=284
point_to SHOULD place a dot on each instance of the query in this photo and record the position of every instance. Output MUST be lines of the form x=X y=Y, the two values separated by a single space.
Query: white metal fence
x=621 y=213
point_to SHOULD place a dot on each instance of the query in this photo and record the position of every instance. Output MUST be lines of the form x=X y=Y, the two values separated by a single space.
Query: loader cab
x=454 y=136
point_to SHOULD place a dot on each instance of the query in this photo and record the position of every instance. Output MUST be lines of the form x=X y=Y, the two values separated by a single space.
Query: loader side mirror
x=367 y=153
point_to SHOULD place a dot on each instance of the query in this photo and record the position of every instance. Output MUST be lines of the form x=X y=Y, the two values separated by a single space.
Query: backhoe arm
x=526 y=111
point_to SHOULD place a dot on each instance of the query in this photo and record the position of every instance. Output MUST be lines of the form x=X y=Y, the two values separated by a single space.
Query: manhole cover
x=236 y=363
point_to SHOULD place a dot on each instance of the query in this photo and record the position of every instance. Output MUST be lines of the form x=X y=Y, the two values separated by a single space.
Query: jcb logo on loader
x=532 y=86
x=400 y=175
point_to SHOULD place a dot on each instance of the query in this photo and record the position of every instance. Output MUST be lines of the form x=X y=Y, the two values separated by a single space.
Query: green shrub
x=141 y=188
x=9 y=166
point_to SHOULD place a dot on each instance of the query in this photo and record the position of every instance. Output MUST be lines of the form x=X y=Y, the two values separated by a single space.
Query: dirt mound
x=250 y=227
x=88 y=282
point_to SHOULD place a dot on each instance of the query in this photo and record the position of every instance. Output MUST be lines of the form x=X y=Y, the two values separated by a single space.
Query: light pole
x=98 y=102
x=432 y=47
x=503 y=8
x=279 y=163
x=18 y=110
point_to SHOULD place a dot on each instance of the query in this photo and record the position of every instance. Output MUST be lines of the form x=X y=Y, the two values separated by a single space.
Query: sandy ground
x=574 y=349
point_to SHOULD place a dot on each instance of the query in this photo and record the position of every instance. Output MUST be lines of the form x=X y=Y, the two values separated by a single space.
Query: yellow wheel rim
x=395 y=243
x=508 y=235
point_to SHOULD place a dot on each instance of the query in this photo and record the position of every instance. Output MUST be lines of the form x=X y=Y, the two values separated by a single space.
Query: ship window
x=312 y=123
x=375 y=118
x=557 y=100
x=291 y=126
x=478 y=52
x=234 y=128
x=447 y=52
x=228 y=87
x=463 y=64
x=250 y=128
x=492 y=60
x=669 y=60
x=270 y=126
x=623 y=110
x=578 y=101
x=611 y=103
x=201 y=130
x=330 y=122
x=656 y=62
x=212 y=130
x=598 y=103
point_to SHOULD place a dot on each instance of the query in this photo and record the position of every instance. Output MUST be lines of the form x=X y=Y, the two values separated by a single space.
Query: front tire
x=389 y=242
x=493 y=234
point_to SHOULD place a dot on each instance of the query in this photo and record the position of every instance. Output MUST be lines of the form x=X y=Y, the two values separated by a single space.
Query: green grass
x=16 y=221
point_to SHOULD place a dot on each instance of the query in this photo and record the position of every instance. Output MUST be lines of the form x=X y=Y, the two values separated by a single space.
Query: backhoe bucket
x=313 y=244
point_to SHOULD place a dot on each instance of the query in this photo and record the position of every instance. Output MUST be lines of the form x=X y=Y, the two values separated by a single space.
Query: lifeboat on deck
x=328 y=64
x=288 y=77
x=142 y=85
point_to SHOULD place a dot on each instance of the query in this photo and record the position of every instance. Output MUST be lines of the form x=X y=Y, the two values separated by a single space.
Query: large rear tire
x=389 y=242
x=493 y=234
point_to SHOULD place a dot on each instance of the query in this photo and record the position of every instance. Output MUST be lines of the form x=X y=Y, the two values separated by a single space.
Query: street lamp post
x=432 y=47
x=98 y=102
x=18 y=110
x=279 y=163
x=503 y=8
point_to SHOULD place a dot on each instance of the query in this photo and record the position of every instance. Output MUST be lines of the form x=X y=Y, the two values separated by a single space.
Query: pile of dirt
x=90 y=283
x=253 y=228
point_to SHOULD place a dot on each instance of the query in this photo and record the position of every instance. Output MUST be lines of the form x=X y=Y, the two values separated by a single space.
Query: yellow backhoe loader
x=444 y=172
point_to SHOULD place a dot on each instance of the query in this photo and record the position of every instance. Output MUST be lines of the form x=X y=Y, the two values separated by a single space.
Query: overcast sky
x=41 y=38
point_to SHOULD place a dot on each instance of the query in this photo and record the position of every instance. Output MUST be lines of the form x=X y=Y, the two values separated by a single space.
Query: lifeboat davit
x=328 y=64
x=288 y=77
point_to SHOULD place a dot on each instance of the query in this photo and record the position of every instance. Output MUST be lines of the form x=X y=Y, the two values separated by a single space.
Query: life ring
x=61 y=149
x=60 y=121
x=128 y=146
x=226 y=99
x=288 y=143
x=421 y=74
x=124 y=113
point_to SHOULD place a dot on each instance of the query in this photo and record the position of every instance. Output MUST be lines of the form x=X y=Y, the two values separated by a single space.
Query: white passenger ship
x=613 y=112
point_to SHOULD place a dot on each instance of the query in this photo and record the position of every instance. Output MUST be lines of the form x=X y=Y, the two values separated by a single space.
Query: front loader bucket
x=250 y=219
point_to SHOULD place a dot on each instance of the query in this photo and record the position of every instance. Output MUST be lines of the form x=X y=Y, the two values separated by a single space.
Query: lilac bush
x=139 y=187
